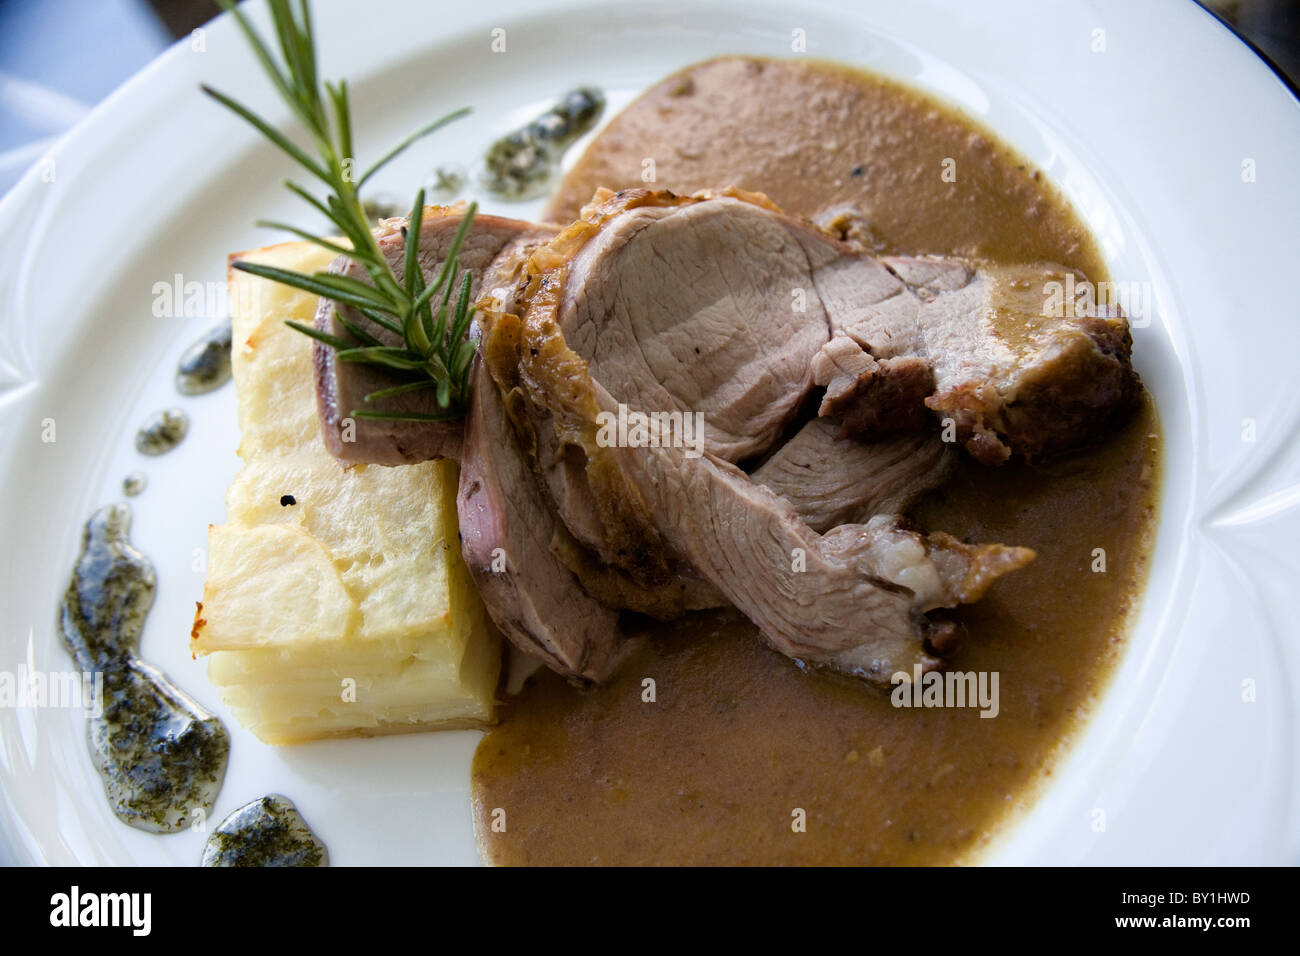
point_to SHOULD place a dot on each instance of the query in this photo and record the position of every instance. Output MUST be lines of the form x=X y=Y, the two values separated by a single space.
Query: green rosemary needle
x=436 y=351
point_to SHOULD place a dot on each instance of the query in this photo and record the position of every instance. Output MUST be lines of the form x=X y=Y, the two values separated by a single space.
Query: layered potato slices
x=336 y=601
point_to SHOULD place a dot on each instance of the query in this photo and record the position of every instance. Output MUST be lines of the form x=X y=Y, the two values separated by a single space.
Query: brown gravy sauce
x=738 y=741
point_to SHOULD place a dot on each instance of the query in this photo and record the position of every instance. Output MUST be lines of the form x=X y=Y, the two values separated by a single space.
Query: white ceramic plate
x=1147 y=137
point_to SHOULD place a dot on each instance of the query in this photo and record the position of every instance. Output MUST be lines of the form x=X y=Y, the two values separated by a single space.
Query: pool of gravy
x=709 y=748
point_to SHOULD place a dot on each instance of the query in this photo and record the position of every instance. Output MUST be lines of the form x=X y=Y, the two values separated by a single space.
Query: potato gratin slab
x=336 y=601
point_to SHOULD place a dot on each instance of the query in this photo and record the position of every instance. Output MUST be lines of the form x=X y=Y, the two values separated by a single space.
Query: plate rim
x=145 y=87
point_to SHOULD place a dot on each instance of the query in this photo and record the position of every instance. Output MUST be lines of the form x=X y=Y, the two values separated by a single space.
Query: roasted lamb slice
x=1017 y=368
x=830 y=481
x=506 y=529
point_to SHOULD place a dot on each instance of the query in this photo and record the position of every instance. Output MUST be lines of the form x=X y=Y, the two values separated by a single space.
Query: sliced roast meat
x=714 y=308
x=615 y=588
x=929 y=276
x=839 y=366
x=716 y=303
x=1043 y=381
x=735 y=311
x=830 y=481
x=938 y=570
x=506 y=527
x=564 y=472
x=665 y=595
x=889 y=400
x=493 y=251
x=855 y=599
x=1016 y=368
x=643 y=577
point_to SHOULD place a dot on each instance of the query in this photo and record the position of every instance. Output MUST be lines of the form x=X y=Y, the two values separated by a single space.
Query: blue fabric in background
x=58 y=58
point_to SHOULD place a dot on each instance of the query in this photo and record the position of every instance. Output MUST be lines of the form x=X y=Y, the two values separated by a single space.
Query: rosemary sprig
x=436 y=350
